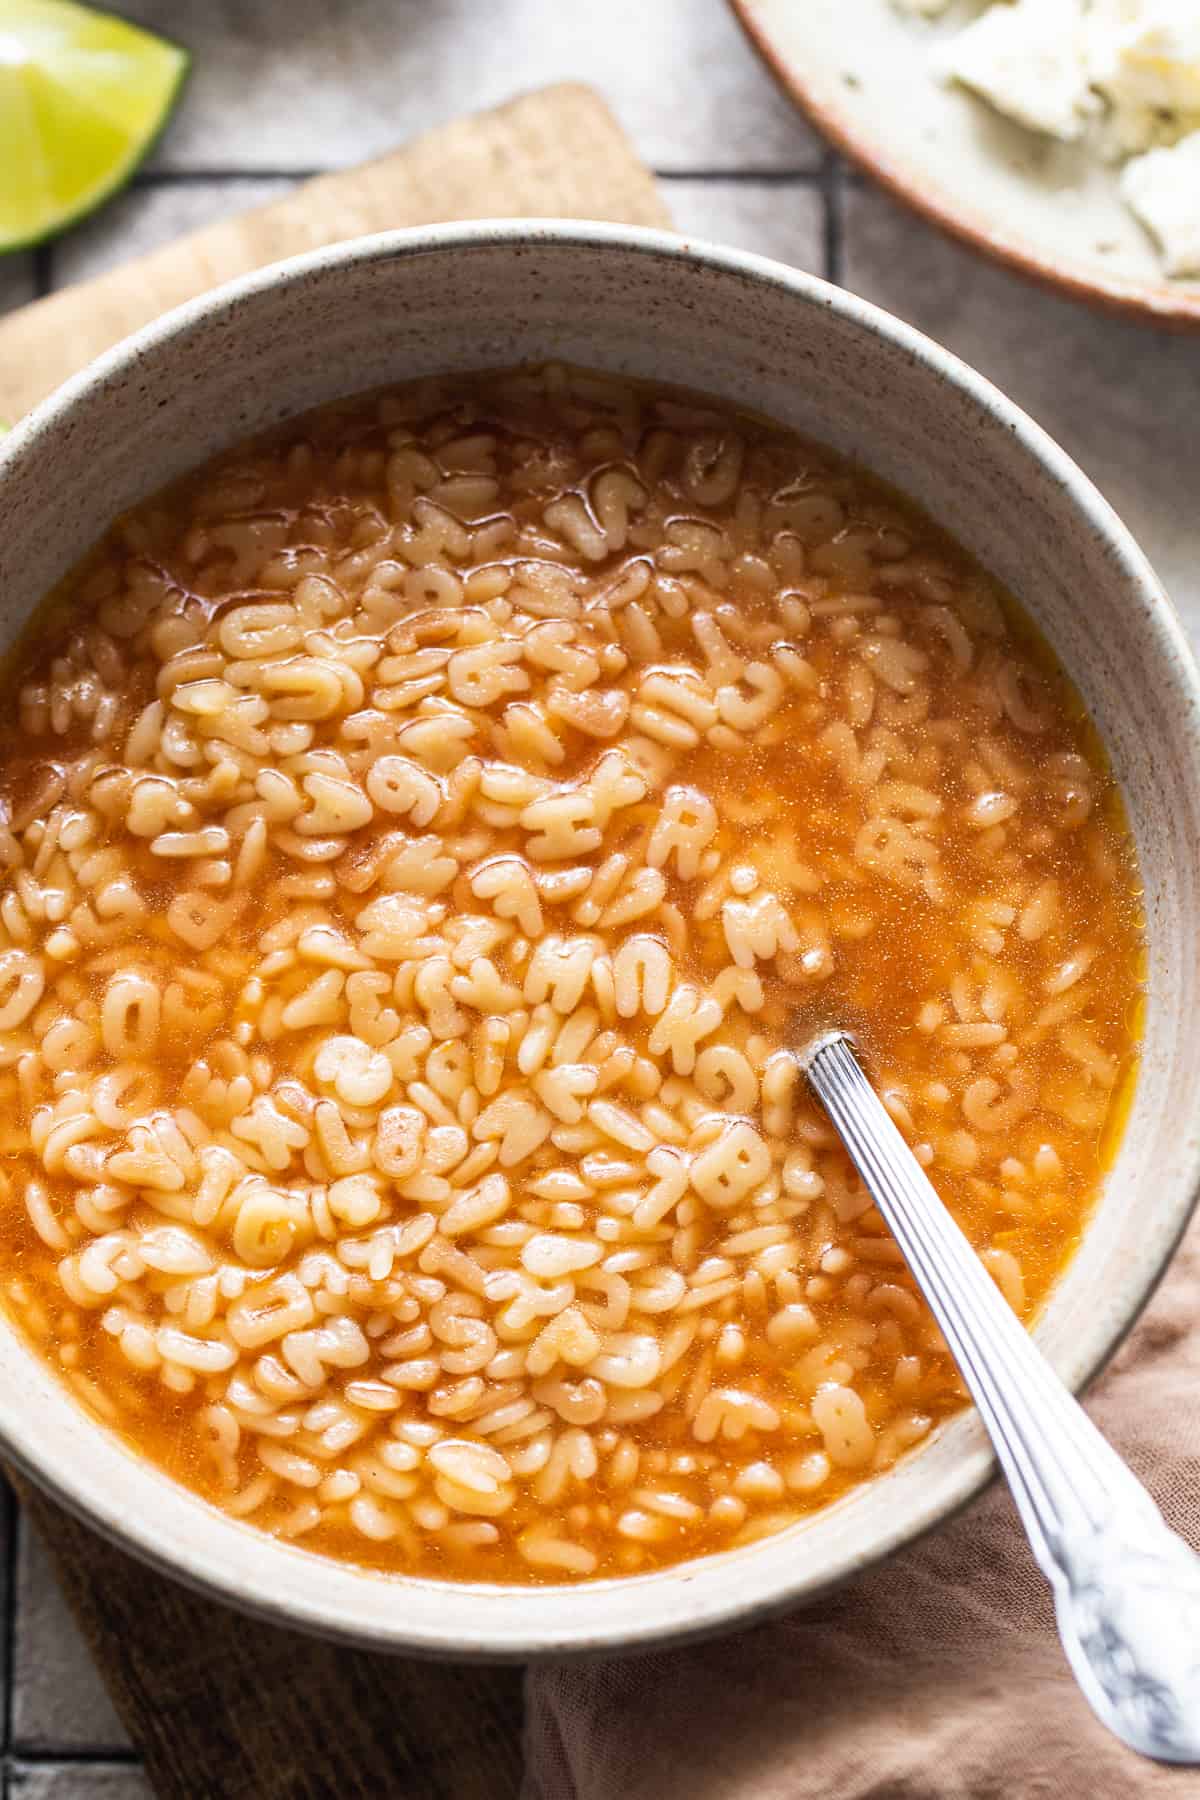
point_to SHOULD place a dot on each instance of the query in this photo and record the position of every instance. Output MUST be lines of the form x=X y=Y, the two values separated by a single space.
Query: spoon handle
x=1126 y=1588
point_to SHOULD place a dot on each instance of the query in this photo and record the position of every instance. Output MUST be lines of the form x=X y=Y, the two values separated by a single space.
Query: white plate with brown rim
x=865 y=74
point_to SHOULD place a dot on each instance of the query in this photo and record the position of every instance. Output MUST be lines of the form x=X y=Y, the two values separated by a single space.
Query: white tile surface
x=143 y=218
x=1123 y=399
x=59 y=1702
x=782 y=218
x=305 y=84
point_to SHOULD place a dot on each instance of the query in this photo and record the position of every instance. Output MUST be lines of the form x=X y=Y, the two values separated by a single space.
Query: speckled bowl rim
x=484 y=1621
x=1147 y=302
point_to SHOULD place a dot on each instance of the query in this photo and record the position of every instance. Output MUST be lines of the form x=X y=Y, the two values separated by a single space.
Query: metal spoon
x=1126 y=1587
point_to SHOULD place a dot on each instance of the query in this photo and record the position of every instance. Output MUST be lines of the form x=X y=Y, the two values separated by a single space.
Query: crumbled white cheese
x=1144 y=55
x=1126 y=71
x=1029 y=60
x=1163 y=188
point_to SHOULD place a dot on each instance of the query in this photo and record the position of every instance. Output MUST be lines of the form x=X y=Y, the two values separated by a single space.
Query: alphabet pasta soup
x=427 y=832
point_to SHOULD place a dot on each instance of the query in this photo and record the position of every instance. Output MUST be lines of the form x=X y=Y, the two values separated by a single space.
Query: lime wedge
x=82 y=97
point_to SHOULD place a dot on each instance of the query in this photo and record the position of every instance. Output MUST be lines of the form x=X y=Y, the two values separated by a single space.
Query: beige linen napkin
x=936 y=1677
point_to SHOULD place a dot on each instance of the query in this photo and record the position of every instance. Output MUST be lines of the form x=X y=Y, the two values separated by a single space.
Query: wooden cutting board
x=554 y=154
x=223 y=1707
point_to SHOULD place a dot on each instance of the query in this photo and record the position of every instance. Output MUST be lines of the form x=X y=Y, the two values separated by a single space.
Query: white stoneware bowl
x=459 y=297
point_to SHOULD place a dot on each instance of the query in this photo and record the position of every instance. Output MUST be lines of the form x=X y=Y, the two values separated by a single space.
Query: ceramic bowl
x=643 y=302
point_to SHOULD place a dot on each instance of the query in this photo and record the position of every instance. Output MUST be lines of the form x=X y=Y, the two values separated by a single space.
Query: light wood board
x=554 y=154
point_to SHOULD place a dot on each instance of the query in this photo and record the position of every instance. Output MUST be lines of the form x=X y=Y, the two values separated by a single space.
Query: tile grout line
x=13 y=1522
x=43 y=270
x=73 y=1759
x=165 y=178
x=805 y=177
x=9 y=1506
x=808 y=175
x=832 y=193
